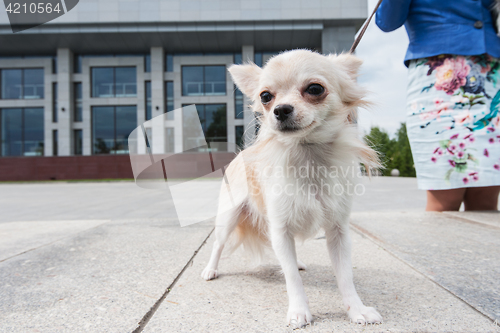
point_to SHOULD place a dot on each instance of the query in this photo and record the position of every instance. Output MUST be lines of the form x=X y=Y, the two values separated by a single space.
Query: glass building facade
x=109 y=96
x=79 y=84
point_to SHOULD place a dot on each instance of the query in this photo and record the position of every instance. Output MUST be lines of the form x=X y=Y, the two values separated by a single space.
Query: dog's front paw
x=209 y=274
x=299 y=316
x=364 y=315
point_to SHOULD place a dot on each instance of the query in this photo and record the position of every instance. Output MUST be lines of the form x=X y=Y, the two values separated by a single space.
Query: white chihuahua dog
x=295 y=179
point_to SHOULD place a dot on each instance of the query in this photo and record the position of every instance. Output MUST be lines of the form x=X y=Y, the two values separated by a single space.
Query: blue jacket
x=463 y=27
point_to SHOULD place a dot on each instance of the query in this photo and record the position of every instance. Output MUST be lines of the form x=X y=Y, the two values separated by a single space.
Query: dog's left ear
x=351 y=94
x=348 y=62
x=246 y=77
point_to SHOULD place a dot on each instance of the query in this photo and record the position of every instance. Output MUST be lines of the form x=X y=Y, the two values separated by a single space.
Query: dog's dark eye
x=266 y=97
x=315 y=89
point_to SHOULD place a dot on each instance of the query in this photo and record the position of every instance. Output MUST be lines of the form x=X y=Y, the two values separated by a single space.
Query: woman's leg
x=481 y=198
x=445 y=200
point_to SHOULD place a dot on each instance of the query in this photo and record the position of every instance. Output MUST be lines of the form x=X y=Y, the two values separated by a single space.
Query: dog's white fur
x=324 y=137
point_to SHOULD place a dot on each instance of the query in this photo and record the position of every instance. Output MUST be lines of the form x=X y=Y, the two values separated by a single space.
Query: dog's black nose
x=282 y=111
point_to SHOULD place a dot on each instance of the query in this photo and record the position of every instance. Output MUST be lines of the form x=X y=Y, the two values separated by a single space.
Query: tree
x=402 y=157
x=379 y=140
x=395 y=153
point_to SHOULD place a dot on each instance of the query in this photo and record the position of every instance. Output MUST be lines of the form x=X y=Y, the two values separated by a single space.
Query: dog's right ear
x=246 y=77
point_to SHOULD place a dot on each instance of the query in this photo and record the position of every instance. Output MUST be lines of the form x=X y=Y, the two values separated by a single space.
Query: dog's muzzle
x=284 y=114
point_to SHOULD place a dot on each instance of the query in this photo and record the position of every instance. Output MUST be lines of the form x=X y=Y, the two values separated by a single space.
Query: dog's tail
x=252 y=235
x=367 y=156
x=370 y=159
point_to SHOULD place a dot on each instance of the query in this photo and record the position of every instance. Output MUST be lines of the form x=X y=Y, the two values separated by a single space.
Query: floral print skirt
x=454 y=121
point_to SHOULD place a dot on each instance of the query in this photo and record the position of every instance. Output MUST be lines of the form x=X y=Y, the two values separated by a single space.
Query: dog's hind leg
x=224 y=226
x=339 y=249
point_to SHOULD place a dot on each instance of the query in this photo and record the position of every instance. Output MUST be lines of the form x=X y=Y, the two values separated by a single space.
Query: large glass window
x=111 y=126
x=33 y=83
x=22 y=83
x=12 y=83
x=169 y=96
x=103 y=82
x=77 y=93
x=203 y=80
x=21 y=131
x=114 y=82
x=12 y=132
x=125 y=82
x=213 y=122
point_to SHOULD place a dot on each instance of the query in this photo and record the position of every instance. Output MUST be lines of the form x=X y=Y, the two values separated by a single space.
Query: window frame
x=204 y=80
x=114 y=126
x=113 y=81
x=203 y=125
x=22 y=83
x=23 y=134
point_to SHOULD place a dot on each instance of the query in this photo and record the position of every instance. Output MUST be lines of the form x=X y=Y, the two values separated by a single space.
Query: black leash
x=363 y=30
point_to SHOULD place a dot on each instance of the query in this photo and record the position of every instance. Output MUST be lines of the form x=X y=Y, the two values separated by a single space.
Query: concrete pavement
x=97 y=257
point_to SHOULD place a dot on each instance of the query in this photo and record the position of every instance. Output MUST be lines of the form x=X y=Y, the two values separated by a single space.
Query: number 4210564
x=40 y=8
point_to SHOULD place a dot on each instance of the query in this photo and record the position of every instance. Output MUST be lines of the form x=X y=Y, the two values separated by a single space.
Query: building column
x=337 y=39
x=158 y=99
x=64 y=104
x=247 y=54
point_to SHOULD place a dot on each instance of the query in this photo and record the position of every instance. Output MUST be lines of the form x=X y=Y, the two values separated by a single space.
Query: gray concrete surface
x=461 y=256
x=82 y=201
x=96 y=257
x=253 y=299
x=102 y=279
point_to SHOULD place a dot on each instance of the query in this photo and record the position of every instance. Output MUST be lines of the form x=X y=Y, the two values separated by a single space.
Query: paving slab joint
x=144 y=321
x=469 y=220
x=386 y=247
